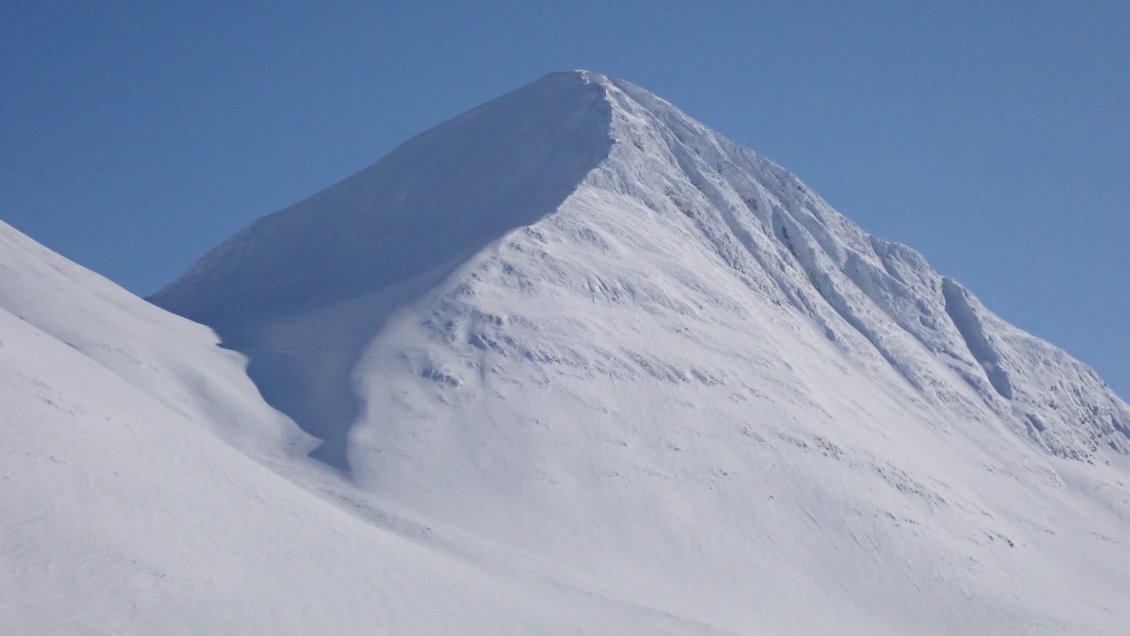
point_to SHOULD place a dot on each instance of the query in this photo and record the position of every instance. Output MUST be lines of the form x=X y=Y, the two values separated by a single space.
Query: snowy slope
x=578 y=364
x=145 y=488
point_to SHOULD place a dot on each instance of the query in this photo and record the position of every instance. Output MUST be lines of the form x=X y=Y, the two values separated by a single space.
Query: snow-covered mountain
x=576 y=363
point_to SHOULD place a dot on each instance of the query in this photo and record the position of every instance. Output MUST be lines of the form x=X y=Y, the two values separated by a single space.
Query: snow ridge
x=417 y=215
x=383 y=237
x=885 y=293
x=868 y=295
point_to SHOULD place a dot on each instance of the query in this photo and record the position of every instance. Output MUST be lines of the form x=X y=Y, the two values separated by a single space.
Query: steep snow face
x=870 y=297
x=685 y=381
x=384 y=236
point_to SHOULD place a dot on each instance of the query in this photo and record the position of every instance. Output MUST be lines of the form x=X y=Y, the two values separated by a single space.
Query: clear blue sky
x=993 y=137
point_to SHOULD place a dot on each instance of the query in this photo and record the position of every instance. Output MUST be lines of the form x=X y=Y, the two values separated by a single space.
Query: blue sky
x=992 y=137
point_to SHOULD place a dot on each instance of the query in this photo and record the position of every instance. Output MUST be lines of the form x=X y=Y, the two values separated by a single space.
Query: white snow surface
x=578 y=364
x=146 y=488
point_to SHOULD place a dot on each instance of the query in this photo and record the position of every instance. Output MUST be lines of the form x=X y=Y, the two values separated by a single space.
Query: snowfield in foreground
x=568 y=363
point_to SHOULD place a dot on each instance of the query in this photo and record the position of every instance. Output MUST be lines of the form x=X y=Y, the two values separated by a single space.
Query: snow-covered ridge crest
x=393 y=231
x=869 y=296
x=437 y=198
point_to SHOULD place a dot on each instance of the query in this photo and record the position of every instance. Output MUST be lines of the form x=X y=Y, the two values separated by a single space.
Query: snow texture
x=569 y=363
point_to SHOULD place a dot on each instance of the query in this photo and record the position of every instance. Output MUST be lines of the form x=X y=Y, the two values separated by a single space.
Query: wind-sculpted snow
x=164 y=356
x=869 y=296
x=577 y=354
x=417 y=209
x=383 y=237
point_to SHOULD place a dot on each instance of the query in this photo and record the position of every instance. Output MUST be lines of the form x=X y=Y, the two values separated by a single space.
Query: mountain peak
x=584 y=74
x=433 y=200
x=580 y=159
